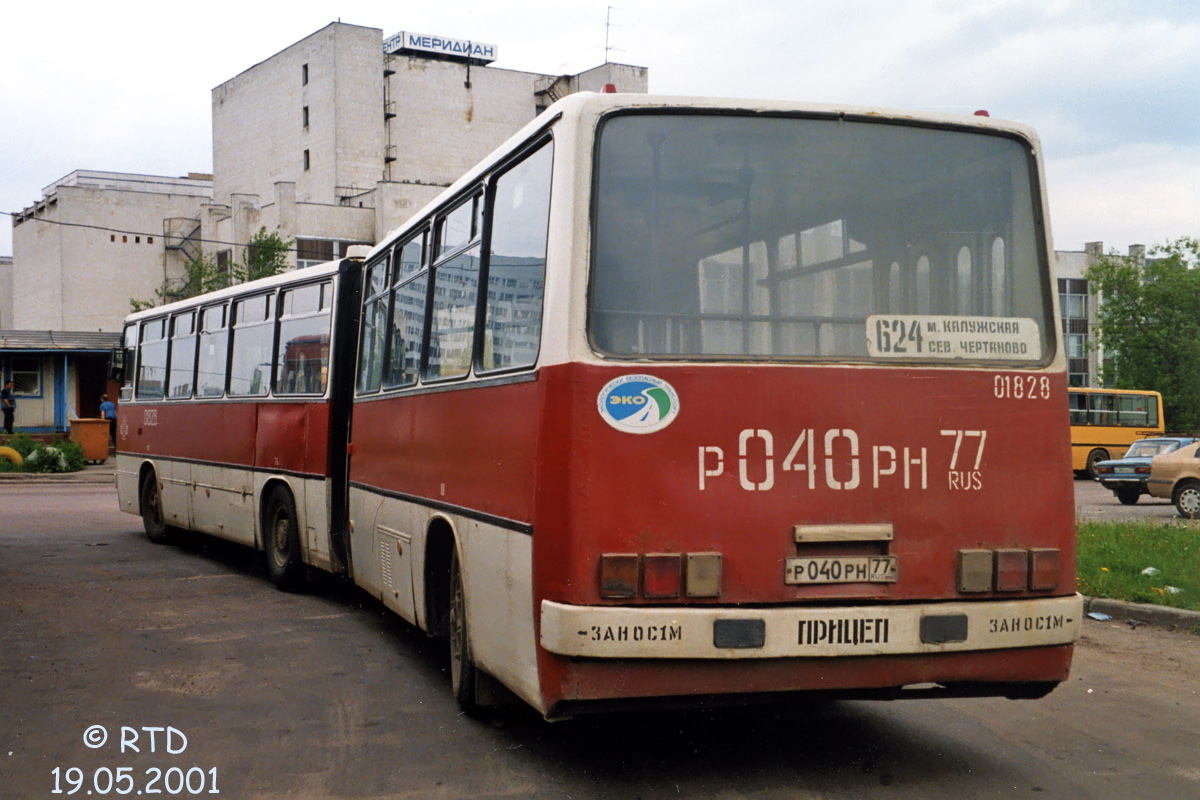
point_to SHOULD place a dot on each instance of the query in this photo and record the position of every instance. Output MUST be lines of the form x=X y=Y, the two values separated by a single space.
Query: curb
x=101 y=474
x=1159 y=616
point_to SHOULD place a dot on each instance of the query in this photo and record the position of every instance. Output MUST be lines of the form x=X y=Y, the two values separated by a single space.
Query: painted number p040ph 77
x=837 y=459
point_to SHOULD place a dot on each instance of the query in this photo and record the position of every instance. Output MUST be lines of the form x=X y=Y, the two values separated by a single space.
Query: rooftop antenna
x=608 y=25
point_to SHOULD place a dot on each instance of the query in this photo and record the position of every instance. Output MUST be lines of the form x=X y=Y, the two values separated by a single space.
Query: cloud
x=1144 y=194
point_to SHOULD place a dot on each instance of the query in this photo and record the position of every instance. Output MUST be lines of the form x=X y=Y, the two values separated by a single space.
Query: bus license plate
x=846 y=569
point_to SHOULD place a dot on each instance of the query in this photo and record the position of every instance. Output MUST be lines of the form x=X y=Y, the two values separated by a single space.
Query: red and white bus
x=669 y=398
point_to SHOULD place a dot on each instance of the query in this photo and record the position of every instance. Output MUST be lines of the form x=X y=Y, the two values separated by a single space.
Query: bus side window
x=455 y=287
x=182 y=360
x=516 y=272
x=1103 y=409
x=213 y=352
x=253 y=339
x=1133 y=410
x=302 y=363
x=374 y=327
x=1078 y=404
x=130 y=371
x=152 y=363
x=408 y=313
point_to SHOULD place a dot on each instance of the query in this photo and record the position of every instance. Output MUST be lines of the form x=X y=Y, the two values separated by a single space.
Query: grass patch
x=1112 y=556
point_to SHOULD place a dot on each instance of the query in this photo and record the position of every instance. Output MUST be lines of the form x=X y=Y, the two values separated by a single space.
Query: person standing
x=8 y=404
x=108 y=410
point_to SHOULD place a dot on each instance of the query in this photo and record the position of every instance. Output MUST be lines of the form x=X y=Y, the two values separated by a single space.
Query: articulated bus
x=668 y=399
x=1105 y=422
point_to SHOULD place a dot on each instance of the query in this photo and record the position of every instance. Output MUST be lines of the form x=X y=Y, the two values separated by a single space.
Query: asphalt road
x=1094 y=502
x=326 y=695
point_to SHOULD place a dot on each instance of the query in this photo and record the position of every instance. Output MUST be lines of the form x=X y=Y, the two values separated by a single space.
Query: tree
x=1149 y=326
x=266 y=255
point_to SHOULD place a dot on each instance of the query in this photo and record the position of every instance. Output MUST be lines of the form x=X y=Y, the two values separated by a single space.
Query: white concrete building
x=6 y=296
x=330 y=142
x=95 y=241
x=339 y=138
x=1078 y=303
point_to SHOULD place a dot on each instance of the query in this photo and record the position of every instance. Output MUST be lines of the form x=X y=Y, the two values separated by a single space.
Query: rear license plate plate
x=844 y=569
x=1124 y=470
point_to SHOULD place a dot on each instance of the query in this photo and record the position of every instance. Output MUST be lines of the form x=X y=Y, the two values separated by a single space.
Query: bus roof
x=584 y=105
x=314 y=272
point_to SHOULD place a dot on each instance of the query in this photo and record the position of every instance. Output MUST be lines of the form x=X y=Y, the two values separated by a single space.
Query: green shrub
x=23 y=443
x=62 y=456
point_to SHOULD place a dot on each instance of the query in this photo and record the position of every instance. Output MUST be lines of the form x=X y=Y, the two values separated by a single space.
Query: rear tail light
x=1012 y=570
x=662 y=575
x=1043 y=569
x=1009 y=570
x=1103 y=470
x=618 y=575
x=975 y=570
x=659 y=576
x=1143 y=469
x=703 y=574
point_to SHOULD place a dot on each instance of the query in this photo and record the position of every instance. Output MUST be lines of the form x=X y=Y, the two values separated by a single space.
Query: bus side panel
x=223 y=502
x=280 y=439
x=206 y=449
x=468 y=456
x=175 y=478
x=473 y=449
x=316 y=441
x=216 y=433
x=498 y=574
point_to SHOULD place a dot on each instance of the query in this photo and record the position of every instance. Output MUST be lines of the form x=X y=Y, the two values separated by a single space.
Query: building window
x=27 y=376
x=304 y=114
x=304 y=74
x=1076 y=345
x=307 y=161
x=318 y=251
x=149 y=240
x=1073 y=297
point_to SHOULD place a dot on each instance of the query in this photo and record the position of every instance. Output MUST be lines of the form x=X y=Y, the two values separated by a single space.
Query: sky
x=1113 y=88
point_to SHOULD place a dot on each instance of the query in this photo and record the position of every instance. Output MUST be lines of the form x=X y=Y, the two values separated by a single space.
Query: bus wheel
x=153 y=520
x=462 y=669
x=1094 y=458
x=1187 y=500
x=282 y=541
x=1128 y=497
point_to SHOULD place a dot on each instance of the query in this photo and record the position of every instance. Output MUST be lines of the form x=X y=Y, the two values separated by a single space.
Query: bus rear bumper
x=717 y=633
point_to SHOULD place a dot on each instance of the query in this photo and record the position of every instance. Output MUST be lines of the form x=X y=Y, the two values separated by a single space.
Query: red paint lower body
x=586 y=680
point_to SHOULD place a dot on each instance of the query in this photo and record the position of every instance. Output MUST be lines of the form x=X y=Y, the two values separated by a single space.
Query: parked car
x=1127 y=477
x=1176 y=476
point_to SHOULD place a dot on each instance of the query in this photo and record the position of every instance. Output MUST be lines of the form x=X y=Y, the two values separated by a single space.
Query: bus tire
x=1187 y=499
x=462 y=668
x=281 y=541
x=1094 y=458
x=150 y=502
x=1128 y=497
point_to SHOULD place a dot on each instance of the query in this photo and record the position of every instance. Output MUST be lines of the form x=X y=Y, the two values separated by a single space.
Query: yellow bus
x=1104 y=422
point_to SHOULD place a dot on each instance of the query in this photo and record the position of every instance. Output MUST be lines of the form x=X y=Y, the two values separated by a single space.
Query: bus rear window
x=786 y=238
